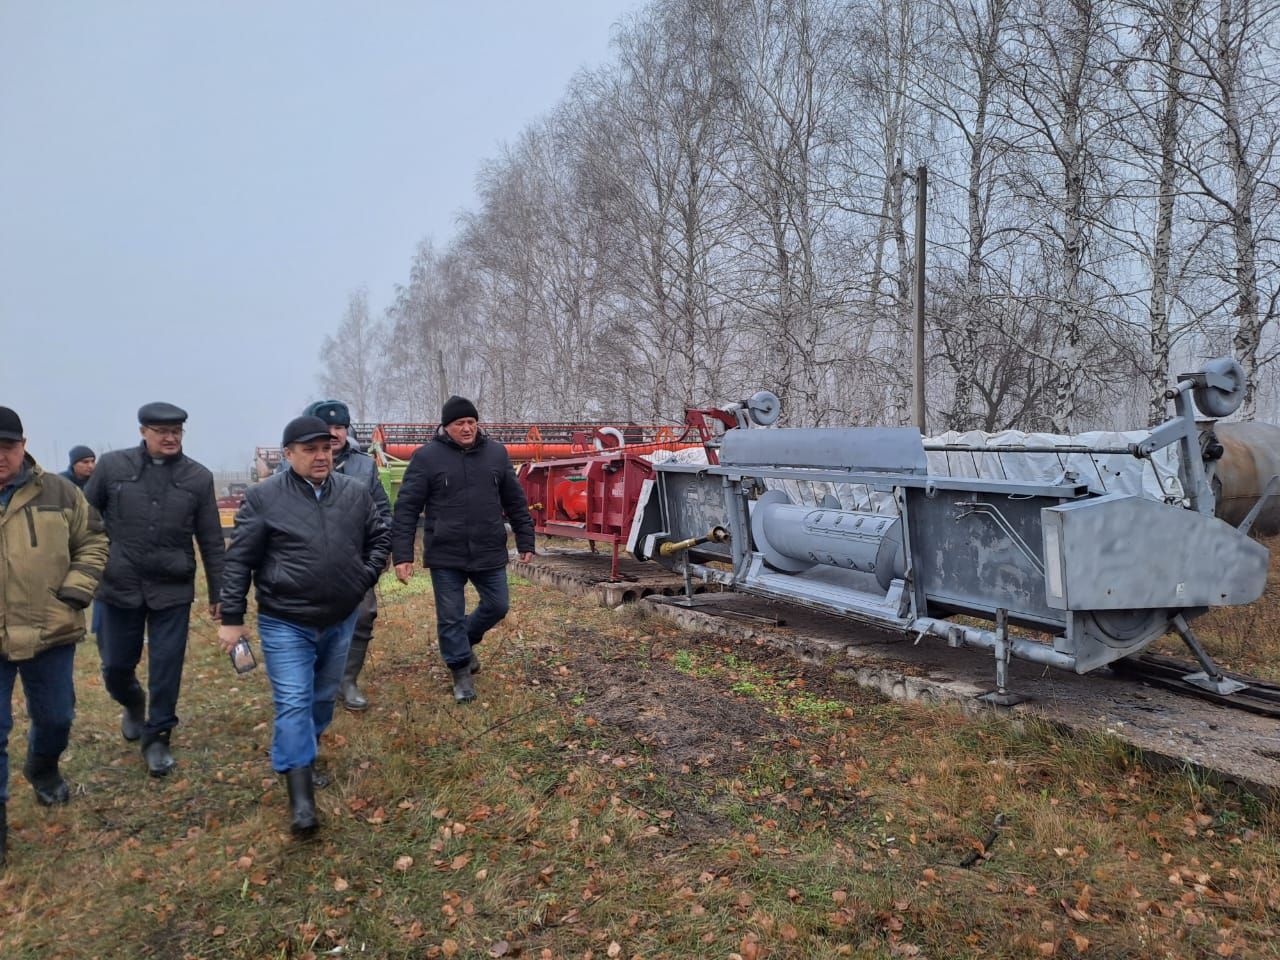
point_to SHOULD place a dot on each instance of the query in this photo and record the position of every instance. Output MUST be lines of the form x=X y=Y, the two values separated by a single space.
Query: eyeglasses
x=166 y=431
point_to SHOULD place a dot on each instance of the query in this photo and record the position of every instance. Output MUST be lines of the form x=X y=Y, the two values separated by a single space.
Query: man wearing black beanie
x=80 y=464
x=465 y=484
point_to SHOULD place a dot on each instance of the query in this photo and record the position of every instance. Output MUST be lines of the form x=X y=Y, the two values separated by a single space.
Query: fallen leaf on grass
x=404 y=863
x=340 y=884
x=1078 y=915
x=499 y=949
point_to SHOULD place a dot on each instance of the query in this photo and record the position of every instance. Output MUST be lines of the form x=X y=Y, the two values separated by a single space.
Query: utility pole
x=917 y=371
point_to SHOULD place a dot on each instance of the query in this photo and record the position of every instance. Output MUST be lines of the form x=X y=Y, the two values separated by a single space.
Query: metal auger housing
x=850 y=520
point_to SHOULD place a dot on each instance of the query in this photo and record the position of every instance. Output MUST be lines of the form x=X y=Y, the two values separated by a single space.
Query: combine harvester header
x=858 y=522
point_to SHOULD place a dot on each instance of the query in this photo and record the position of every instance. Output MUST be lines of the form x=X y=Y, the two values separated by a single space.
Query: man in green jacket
x=53 y=549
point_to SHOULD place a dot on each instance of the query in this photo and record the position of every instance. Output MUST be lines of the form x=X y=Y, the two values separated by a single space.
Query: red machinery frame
x=593 y=496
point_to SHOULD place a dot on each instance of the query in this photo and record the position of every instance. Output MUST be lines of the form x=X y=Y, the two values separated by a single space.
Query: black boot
x=124 y=688
x=350 y=693
x=42 y=772
x=155 y=750
x=133 y=719
x=4 y=834
x=464 y=689
x=302 y=802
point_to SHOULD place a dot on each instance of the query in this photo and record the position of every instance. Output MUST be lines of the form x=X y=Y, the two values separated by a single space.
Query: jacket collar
x=447 y=440
x=147 y=458
x=30 y=477
x=303 y=484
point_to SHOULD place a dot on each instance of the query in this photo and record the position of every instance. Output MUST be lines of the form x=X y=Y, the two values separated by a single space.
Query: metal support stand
x=1211 y=678
x=1001 y=697
x=715 y=600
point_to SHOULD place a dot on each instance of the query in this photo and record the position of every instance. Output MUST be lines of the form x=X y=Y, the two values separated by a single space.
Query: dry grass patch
x=623 y=789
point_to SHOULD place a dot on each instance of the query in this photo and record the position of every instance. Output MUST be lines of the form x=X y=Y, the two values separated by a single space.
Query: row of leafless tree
x=728 y=205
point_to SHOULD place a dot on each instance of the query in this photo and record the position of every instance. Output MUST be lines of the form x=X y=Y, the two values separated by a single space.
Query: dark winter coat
x=311 y=560
x=465 y=492
x=351 y=462
x=152 y=511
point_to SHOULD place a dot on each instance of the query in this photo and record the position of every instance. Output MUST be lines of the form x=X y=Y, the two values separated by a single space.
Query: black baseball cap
x=10 y=425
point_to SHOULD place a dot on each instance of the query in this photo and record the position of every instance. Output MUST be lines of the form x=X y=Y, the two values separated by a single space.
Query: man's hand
x=404 y=571
x=215 y=612
x=526 y=557
x=228 y=637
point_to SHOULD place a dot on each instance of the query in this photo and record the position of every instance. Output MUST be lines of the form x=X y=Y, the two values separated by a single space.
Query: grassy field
x=622 y=789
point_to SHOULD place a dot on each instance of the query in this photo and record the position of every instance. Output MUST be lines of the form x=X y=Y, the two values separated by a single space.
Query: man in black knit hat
x=80 y=464
x=464 y=482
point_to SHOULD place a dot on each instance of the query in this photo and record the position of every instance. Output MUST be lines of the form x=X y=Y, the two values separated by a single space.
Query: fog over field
x=190 y=192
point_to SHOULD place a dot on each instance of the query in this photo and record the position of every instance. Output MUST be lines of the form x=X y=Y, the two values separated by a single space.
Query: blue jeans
x=457 y=630
x=304 y=665
x=47 y=681
x=120 y=644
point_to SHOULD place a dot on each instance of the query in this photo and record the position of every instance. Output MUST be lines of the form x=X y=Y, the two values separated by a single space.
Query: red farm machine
x=592 y=495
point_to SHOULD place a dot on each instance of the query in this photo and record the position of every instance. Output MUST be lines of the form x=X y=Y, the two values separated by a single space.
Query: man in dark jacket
x=52 y=551
x=349 y=461
x=154 y=499
x=314 y=543
x=80 y=464
x=464 y=482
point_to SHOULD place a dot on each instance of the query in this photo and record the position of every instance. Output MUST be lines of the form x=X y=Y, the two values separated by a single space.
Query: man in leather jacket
x=153 y=499
x=314 y=542
x=349 y=460
x=464 y=483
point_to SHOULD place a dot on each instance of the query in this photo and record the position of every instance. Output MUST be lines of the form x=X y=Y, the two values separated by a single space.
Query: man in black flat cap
x=153 y=499
x=80 y=464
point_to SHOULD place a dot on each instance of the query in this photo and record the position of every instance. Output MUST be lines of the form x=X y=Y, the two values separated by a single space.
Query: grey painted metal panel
x=978 y=558
x=1120 y=552
x=868 y=449
x=693 y=504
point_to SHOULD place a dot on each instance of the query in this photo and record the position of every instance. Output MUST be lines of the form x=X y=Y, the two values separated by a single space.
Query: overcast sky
x=189 y=191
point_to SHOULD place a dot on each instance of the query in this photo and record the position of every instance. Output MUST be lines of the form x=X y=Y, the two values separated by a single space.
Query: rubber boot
x=155 y=750
x=349 y=692
x=302 y=802
x=42 y=772
x=125 y=690
x=464 y=690
x=474 y=665
x=4 y=834
x=133 y=719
